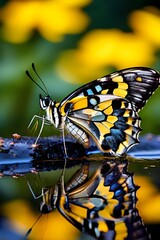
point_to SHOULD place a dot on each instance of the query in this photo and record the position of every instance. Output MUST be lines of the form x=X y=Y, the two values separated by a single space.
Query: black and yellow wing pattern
x=102 y=204
x=107 y=109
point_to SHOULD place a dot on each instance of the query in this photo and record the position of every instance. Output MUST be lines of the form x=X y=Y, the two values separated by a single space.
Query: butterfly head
x=50 y=106
x=46 y=102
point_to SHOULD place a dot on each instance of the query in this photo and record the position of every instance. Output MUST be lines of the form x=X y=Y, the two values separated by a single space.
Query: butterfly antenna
x=30 y=230
x=28 y=74
x=34 y=69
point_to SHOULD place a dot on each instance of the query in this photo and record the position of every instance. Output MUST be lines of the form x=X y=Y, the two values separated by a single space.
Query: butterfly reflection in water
x=105 y=110
x=102 y=205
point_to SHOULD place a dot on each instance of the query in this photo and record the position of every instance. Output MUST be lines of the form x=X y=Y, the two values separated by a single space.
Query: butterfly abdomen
x=78 y=133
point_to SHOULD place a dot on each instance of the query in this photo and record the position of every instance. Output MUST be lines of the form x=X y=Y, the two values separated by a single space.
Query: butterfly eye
x=44 y=102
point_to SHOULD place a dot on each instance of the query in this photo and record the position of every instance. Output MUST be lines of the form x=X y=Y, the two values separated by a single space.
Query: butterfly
x=102 y=205
x=104 y=110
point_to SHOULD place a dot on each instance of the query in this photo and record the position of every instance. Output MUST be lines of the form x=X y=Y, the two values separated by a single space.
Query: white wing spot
x=93 y=101
x=103 y=79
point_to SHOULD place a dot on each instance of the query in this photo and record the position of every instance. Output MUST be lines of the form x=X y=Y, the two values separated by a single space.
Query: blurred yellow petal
x=52 y=19
x=90 y=59
x=18 y=20
x=77 y=3
x=148 y=200
x=133 y=51
x=101 y=48
x=59 y=228
x=58 y=20
x=147 y=24
x=98 y=46
x=117 y=48
x=73 y=69
x=21 y=218
x=49 y=226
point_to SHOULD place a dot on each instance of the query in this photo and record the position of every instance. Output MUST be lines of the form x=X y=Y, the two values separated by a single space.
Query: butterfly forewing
x=135 y=84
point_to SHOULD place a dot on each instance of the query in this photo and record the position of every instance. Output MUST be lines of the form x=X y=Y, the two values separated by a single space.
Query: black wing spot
x=116 y=104
x=67 y=107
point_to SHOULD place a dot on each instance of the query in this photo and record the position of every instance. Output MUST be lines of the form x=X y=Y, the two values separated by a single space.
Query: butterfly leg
x=35 y=116
x=41 y=129
x=65 y=158
x=44 y=194
x=64 y=144
x=31 y=190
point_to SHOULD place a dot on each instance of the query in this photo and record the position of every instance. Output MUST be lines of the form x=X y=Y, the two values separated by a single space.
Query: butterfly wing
x=105 y=205
x=112 y=122
x=106 y=109
x=134 y=84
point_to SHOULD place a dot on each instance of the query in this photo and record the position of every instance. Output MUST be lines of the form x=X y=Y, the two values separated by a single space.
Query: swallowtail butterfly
x=104 y=110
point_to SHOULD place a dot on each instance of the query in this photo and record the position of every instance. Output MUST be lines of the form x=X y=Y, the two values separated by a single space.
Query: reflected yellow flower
x=20 y=219
x=52 y=19
x=147 y=24
x=49 y=226
x=148 y=200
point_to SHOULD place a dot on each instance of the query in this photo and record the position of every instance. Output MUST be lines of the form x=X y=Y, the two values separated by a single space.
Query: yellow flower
x=146 y=23
x=114 y=47
x=99 y=49
x=72 y=68
x=148 y=200
x=49 y=226
x=52 y=19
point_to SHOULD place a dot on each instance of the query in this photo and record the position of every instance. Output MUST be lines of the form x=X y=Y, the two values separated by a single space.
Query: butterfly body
x=105 y=110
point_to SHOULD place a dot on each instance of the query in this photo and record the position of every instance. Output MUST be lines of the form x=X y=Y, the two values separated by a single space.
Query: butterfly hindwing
x=111 y=121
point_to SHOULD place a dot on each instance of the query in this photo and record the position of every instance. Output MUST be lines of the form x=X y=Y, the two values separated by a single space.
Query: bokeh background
x=71 y=43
